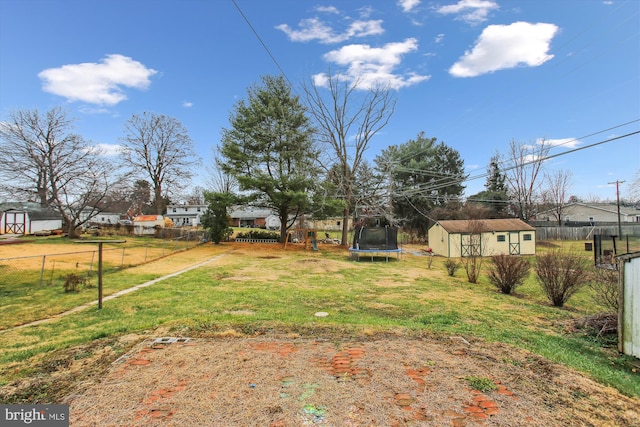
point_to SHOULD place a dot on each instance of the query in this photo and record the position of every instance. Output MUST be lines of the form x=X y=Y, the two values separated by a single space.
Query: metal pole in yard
x=617 y=183
x=100 y=275
x=100 y=243
x=44 y=257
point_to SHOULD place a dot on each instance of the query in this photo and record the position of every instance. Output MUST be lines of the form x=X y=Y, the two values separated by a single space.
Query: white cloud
x=328 y=9
x=187 y=104
x=470 y=11
x=408 y=5
x=439 y=38
x=506 y=46
x=372 y=66
x=99 y=83
x=314 y=29
x=108 y=149
x=564 y=142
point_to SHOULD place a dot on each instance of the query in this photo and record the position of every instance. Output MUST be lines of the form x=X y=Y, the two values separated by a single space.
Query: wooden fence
x=583 y=232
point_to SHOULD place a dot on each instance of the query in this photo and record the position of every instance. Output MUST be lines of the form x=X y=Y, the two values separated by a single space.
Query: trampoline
x=375 y=241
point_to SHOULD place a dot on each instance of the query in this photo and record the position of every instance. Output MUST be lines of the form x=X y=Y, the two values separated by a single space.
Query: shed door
x=470 y=245
x=514 y=243
x=14 y=222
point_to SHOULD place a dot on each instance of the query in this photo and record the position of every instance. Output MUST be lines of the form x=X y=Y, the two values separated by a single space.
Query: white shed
x=629 y=304
x=147 y=225
x=28 y=218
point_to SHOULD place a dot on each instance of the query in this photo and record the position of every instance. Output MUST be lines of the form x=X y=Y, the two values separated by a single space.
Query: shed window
x=526 y=237
x=501 y=238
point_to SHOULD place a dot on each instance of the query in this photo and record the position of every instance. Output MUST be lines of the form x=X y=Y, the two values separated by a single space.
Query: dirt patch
x=382 y=380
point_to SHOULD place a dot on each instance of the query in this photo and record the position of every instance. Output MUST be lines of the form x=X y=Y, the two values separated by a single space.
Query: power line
x=436 y=186
x=264 y=45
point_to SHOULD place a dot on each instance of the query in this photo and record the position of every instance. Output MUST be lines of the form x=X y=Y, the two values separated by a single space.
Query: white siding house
x=186 y=215
x=97 y=217
x=592 y=213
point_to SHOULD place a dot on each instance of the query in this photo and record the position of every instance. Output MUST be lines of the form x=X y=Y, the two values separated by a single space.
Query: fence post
x=44 y=257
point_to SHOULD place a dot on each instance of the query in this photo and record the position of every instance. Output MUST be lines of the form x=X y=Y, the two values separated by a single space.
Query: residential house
x=101 y=218
x=591 y=213
x=183 y=215
x=251 y=216
x=485 y=237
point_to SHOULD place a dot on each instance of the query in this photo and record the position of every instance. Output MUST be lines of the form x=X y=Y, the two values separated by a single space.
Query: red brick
x=488 y=404
x=492 y=411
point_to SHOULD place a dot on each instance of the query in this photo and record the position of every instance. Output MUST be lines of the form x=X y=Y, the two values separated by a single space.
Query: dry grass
x=288 y=381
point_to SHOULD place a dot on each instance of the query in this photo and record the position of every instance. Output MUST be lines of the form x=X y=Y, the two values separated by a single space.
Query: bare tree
x=523 y=175
x=219 y=181
x=29 y=139
x=634 y=188
x=160 y=148
x=44 y=161
x=346 y=119
x=556 y=192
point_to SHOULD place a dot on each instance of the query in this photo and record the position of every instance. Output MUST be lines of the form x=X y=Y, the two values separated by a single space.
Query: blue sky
x=476 y=74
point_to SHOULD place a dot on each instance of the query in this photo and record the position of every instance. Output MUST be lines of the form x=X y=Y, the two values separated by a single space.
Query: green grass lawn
x=248 y=290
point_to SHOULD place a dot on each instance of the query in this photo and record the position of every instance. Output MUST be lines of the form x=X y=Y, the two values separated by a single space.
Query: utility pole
x=617 y=183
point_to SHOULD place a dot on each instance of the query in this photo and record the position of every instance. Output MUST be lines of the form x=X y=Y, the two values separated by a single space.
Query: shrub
x=472 y=266
x=561 y=275
x=73 y=282
x=508 y=272
x=604 y=283
x=259 y=234
x=452 y=266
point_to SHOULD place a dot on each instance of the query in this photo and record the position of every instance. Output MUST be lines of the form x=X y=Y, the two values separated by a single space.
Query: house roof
x=466 y=226
x=250 y=213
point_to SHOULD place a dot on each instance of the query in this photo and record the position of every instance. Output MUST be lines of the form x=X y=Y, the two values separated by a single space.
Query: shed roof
x=467 y=226
x=141 y=218
x=35 y=210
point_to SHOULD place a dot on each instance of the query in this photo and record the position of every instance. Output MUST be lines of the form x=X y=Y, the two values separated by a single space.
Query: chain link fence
x=57 y=268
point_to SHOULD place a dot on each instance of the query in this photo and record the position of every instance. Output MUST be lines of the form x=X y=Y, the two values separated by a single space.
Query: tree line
x=298 y=155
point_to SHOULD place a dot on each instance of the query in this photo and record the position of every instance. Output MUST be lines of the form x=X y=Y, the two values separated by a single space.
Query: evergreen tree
x=216 y=219
x=269 y=149
x=424 y=174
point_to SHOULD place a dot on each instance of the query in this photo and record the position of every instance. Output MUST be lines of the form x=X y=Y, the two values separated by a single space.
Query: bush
x=259 y=234
x=604 y=283
x=473 y=266
x=561 y=275
x=452 y=266
x=73 y=282
x=508 y=272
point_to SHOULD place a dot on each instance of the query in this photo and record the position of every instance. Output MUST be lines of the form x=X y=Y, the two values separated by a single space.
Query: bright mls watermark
x=34 y=415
